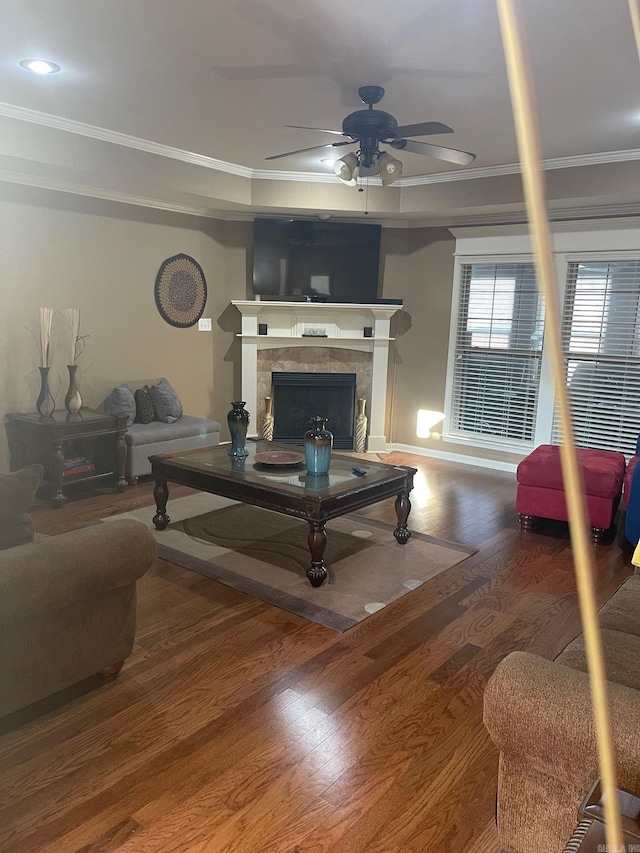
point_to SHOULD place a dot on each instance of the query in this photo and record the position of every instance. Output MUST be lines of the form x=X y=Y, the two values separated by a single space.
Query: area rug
x=265 y=554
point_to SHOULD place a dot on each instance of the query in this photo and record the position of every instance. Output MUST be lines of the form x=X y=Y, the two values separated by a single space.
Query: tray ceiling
x=178 y=104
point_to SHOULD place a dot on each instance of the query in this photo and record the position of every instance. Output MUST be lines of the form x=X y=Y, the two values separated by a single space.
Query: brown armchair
x=67 y=602
x=538 y=713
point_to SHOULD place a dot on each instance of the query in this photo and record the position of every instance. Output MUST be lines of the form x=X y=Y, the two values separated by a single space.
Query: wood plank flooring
x=235 y=726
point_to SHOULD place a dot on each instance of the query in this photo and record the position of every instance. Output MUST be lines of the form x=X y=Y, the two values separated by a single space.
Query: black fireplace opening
x=297 y=397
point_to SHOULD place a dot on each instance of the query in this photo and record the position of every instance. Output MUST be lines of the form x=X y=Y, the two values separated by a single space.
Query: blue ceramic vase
x=317 y=446
x=238 y=421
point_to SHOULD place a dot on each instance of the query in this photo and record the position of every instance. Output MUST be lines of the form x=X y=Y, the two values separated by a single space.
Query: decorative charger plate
x=181 y=291
x=279 y=458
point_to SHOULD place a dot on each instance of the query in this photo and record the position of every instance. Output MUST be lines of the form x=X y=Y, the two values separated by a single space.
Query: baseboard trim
x=464 y=459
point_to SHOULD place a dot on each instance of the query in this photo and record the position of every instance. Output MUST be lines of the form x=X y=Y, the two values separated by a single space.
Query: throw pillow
x=121 y=402
x=167 y=402
x=17 y=491
x=145 y=410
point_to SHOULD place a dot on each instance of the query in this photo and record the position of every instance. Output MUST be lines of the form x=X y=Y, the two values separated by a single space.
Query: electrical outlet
x=204 y=324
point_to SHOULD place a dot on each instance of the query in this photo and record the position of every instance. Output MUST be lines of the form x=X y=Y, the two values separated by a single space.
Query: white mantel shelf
x=344 y=325
x=309 y=339
x=249 y=306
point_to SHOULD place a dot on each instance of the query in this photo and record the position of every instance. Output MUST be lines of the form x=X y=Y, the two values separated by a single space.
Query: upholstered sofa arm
x=61 y=570
x=540 y=712
x=632 y=499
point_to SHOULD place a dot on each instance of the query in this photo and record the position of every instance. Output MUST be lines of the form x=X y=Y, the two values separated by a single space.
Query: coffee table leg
x=317 y=571
x=161 y=495
x=403 y=508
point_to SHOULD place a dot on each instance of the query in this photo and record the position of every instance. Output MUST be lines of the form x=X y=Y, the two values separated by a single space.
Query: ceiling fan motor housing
x=374 y=123
x=369 y=127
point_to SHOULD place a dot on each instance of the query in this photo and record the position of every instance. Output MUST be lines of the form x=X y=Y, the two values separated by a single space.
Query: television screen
x=321 y=260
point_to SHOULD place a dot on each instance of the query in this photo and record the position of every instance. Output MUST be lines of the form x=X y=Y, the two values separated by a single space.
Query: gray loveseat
x=156 y=423
x=187 y=433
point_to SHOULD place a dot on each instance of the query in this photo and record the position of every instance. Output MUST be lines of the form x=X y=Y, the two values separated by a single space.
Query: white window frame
x=589 y=240
x=475 y=440
x=586 y=257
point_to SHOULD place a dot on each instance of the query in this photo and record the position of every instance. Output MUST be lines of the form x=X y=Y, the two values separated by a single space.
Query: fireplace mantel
x=296 y=324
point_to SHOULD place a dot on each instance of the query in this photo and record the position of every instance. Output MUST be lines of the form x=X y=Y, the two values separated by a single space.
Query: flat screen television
x=321 y=260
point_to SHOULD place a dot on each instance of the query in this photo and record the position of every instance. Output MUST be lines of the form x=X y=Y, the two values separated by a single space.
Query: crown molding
x=510 y=218
x=307 y=177
x=116 y=138
x=604 y=157
x=103 y=194
x=146 y=145
x=563 y=214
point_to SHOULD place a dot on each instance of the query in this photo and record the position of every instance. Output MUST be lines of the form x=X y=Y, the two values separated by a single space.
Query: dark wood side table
x=97 y=436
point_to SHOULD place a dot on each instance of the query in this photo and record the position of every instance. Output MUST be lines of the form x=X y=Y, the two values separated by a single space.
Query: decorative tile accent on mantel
x=312 y=360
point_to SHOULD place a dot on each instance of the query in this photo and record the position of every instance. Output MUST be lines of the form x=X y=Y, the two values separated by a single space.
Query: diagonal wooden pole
x=634 y=11
x=522 y=99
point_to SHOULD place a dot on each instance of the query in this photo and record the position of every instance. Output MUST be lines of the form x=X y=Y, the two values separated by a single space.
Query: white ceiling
x=147 y=84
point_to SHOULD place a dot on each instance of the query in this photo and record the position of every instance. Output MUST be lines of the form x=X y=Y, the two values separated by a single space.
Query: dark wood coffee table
x=289 y=490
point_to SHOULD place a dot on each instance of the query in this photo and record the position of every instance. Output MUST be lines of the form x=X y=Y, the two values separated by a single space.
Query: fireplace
x=300 y=396
x=347 y=347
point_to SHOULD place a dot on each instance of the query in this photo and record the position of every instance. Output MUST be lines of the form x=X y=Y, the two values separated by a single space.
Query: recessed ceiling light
x=40 y=66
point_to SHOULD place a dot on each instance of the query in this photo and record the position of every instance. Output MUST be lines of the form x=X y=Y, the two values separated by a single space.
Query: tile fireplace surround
x=292 y=343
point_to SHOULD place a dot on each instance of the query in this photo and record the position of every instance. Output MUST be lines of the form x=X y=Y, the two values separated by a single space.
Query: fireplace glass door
x=297 y=397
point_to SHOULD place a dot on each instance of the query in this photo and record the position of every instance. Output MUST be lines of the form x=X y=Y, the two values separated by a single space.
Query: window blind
x=498 y=350
x=601 y=343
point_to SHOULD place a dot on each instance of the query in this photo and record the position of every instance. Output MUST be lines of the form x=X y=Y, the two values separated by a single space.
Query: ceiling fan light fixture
x=390 y=168
x=345 y=168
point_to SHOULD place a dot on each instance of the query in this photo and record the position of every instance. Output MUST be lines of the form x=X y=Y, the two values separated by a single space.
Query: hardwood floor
x=235 y=726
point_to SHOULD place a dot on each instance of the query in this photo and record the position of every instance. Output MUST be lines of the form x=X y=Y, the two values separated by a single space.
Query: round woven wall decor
x=181 y=291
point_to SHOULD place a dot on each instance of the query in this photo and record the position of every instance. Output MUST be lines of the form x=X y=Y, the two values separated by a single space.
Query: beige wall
x=417 y=268
x=101 y=257
x=63 y=251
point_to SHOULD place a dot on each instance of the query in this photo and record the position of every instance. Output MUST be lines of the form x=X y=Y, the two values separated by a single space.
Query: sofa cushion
x=166 y=401
x=621 y=653
x=17 y=491
x=622 y=611
x=139 y=434
x=121 y=402
x=602 y=470
x=145 y=409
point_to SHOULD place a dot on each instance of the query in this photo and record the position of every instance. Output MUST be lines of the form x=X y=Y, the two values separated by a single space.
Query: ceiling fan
x=371 y=128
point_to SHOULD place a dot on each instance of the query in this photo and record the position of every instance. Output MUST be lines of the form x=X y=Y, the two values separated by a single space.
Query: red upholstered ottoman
x=541 y=490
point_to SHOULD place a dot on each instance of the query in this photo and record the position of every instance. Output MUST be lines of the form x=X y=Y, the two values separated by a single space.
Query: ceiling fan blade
x=261 y=72
x=312 y=148
x=451 y=155
x=424 y=128
x=438 y=73
x=323 y=129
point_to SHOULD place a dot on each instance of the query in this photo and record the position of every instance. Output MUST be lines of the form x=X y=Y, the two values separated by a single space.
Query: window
x=601 y=340
x=493 y=391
